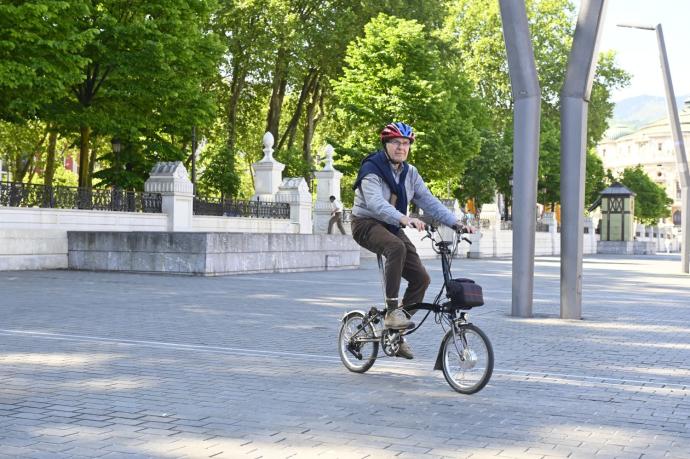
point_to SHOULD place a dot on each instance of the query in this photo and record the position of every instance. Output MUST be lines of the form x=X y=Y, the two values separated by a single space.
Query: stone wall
x=209 y=254
x=33 y=238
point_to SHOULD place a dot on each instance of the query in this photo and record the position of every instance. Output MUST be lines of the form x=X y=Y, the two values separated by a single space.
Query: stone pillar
x=550 y=219
x=295 y=192
x=268 y=173
x=170 y=179
x=492 y=212
x=328 y=185
x=589 y=245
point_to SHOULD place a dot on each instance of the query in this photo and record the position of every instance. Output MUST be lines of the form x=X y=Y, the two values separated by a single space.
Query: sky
x=637 y=50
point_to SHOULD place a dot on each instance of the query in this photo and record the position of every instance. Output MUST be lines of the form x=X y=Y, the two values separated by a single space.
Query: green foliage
x=549 y=172
x=651 y=201
x=144 y=76
x=395 y=73
x=146 y=72
x=220 y=177
x=20 y=144
x=62 y=177
x=595 y=178
x=607 y=78
x=41 y=53
x=475 y=26
x=484 y=171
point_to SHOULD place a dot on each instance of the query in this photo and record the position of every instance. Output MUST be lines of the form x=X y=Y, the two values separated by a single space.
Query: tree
x=41 y=53
x=476 y=28
x=595 y=178
x=651 y=201
x=395 y=72
x=21 y=146
x=607 y=78
x=479 y=181
x=144 y=78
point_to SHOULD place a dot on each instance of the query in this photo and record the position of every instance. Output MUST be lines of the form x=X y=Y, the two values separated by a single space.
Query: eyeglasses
x=400 y=143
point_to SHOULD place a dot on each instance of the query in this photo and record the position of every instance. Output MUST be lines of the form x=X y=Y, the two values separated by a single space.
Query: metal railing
x=236 y=208
x=14 y=194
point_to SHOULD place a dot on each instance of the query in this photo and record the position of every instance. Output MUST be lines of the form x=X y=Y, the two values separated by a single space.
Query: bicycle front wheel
x=468 y=359
x=357 y=345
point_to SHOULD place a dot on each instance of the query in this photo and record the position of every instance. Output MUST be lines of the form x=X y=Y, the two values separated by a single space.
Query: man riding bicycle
x=385 y=185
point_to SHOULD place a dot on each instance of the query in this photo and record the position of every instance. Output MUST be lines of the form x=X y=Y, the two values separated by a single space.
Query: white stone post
x=295 y=192
x=590 y=239
x=550 y=219
x=268 y=173
x=170 y=179
x=328 y=185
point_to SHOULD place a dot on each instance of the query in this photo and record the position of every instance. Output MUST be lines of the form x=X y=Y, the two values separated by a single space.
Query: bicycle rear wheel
x=356 y=344
x=468 y=359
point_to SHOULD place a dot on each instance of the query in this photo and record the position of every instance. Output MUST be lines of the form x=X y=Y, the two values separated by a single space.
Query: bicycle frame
x=374 y=316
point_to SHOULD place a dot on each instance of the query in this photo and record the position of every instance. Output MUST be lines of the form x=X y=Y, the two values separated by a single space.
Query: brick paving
x=105 y=365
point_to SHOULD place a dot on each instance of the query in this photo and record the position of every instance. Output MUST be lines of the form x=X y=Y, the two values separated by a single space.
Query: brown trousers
x=337 y=218
x=401 y=256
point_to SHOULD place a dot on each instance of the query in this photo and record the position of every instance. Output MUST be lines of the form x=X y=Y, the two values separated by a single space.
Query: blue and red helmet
x=397 y=130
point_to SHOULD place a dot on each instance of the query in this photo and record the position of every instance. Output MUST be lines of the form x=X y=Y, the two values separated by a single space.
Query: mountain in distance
x=641 y=110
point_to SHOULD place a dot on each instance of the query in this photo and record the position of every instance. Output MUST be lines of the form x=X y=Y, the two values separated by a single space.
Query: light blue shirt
x=372 y=199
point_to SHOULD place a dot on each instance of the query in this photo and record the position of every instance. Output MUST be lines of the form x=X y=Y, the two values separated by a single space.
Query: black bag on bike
x=464 y=293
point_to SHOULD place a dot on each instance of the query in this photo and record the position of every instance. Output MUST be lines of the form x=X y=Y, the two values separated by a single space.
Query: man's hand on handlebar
x=413 y=222
x=462 y=228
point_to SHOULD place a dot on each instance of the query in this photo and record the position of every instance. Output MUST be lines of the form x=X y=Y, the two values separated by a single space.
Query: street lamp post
x=681 y=157
x=116 y=198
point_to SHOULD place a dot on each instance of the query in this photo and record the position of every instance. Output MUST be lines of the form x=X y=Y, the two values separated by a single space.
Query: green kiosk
x=618 y=223
x=617 y=213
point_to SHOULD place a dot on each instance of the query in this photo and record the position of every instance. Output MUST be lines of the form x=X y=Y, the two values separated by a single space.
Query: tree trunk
x=310 y=123
x=238 y=77
x=92 y=162
x=85 y=132
x=50 y=159
x=22 y=167
x=277 y=94
x=307 y=88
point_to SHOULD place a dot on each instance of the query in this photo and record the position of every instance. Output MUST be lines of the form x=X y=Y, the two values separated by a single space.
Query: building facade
x=652 y=147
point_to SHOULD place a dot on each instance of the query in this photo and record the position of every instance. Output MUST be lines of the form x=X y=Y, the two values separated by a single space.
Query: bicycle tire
x=468 y=370
x=351 y=362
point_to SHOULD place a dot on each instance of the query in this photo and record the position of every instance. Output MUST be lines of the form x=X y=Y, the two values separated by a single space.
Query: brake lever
x=467 y=240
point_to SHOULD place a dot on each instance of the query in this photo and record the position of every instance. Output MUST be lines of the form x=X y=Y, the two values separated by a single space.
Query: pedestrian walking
x=336 y=215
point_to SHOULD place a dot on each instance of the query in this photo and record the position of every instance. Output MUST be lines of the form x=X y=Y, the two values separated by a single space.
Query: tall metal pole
x=678 y=142
x=526 y=115
x=575 y=96
x=681 y=156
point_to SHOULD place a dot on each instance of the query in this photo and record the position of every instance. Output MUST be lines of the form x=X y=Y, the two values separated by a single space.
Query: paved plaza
x=125 y=366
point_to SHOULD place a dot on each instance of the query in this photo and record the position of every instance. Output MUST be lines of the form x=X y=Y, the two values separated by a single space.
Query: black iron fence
x=64 y=197
x=235 y=208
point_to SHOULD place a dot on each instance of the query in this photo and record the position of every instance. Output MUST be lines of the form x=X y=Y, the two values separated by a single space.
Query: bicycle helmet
x=396 y=131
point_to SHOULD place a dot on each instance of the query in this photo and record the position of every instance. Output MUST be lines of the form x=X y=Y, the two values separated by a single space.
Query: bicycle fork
x=459 y=341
